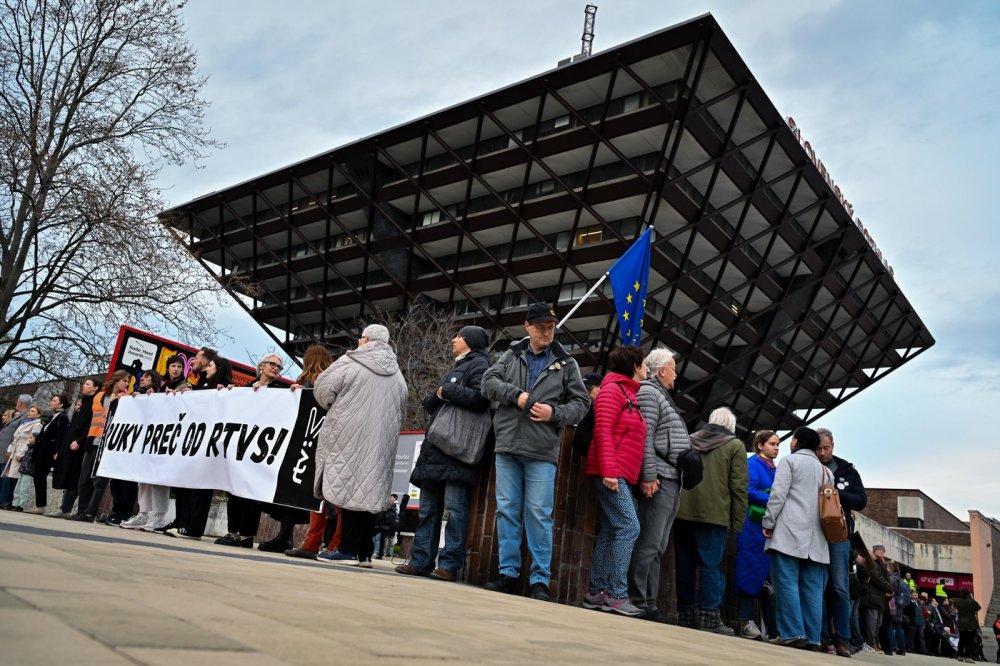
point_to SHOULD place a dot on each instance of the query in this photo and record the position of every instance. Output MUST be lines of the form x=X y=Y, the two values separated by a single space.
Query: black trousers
x=192 y=509
x=69 y=497
x=86 y=484
x=243 y=516
x=41 y=478
x=356 y=533
x=125 y=495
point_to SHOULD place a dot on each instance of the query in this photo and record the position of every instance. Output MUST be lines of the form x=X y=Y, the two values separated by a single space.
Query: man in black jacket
x=46 y=448
x=852 y=498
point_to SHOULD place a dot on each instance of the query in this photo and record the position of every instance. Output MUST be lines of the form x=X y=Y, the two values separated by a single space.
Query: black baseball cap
x=593 y=379
x=539 y=312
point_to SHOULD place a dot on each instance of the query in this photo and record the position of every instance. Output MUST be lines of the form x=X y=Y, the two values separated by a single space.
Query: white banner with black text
x=255 y=444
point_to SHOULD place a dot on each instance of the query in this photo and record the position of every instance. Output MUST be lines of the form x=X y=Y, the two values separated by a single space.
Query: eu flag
x=629 y=280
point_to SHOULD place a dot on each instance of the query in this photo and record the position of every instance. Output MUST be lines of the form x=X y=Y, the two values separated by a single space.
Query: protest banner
x=255 y=444
x=136 y=351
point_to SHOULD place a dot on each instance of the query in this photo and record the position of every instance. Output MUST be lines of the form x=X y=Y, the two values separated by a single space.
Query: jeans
x=699 y=546
x=838 y=598
x=436 y=497
x=385 y=543
x=897 y=637
x=23 y=490
x=7 y=490
x=656 y=516
x=798 y=589
x=525 y=484
x=856 y=637
x=613 y=546
x=744 y=607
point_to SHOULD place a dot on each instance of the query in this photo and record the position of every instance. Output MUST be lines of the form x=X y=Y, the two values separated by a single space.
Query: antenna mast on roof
x=588 y=29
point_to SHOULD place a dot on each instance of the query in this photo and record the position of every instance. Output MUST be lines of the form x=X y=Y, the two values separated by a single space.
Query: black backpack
x=691 y=468
x=585 y=428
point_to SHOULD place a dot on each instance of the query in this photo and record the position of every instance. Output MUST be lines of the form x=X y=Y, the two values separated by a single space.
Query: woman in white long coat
x=795 y=541
x=365 y=396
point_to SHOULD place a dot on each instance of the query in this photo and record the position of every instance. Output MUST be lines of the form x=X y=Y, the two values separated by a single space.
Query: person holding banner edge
x=193 y=504
x=91 y=489
x=315 y=360
x=243 y=515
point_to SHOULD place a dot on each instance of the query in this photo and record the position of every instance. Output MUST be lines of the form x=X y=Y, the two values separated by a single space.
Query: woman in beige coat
x=365 y=395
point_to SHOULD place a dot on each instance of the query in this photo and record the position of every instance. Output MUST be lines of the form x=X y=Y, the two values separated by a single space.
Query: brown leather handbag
x=831 y=514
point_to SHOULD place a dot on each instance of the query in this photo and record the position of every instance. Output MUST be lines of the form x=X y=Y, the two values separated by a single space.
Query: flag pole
x=585 y=297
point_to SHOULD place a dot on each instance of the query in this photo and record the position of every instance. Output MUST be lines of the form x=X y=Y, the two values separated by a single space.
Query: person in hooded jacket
x=708 y=511
x=613 y=464
x=444 y=481
x=365 y=396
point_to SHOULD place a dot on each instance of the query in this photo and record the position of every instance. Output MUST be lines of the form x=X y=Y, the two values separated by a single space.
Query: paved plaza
x=77 y=593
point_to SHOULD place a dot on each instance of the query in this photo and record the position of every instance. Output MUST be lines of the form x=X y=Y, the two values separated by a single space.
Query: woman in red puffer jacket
x=613 y=463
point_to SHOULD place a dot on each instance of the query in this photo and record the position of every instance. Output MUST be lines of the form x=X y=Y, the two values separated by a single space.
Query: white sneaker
x=157 y=521
x=135 y=522
x=867 y=648
x=751 y=631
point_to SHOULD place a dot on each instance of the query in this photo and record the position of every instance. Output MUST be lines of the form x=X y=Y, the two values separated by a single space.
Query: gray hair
x=376 y=333
x=264 y=358
x=723 y=416
x=25 y=400
x=824 y=432
x=657 y=358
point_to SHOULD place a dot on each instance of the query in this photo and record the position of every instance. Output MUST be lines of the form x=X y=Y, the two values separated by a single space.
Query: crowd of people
x=654 y=483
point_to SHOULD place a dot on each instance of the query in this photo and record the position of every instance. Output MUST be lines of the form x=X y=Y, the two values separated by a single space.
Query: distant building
x=924 y=536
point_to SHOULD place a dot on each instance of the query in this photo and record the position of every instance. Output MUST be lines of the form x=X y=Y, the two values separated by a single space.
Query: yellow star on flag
x=636 y=285
x=629 y=298
x=625 y=315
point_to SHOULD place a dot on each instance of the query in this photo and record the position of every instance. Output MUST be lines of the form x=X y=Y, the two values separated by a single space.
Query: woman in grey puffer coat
x=795 y=540
x=659 y=480
x=365 y=396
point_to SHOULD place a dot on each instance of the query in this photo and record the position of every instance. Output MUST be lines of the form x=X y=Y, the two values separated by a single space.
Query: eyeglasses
x=276 y=366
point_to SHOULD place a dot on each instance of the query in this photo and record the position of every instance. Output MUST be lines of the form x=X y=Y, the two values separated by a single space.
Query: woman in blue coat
x=752 y=563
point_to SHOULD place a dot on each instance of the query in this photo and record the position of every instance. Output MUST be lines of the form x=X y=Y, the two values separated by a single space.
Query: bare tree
x=95 y=97
x=421 y=337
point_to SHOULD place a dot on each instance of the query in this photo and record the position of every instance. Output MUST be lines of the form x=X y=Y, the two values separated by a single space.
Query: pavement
x=80 y=593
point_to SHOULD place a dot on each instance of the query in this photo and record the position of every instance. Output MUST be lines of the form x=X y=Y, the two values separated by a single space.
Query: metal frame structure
x=774 y=300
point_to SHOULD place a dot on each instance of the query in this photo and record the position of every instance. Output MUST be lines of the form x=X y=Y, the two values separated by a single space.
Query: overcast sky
x=898 y=98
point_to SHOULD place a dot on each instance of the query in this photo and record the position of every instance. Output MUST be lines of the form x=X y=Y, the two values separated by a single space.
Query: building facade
x=763 y=280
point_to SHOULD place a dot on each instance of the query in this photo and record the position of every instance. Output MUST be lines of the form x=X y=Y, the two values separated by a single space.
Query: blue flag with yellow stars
x=629 y=280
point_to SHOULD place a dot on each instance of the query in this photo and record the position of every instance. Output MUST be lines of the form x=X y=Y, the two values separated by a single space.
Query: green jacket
x=721 y=497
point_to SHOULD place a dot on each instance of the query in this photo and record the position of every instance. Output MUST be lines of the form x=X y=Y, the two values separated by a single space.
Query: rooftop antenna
x=589 y=12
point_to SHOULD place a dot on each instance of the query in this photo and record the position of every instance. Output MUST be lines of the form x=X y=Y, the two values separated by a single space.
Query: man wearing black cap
x=539 y=390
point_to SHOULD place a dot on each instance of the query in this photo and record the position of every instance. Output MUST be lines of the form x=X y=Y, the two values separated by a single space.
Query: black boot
x=283 y=541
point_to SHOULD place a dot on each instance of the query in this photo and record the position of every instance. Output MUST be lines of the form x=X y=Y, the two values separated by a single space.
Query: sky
x=897 y=97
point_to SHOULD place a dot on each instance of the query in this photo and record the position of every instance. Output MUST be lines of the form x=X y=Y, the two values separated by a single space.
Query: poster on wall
x=137 y=351
x=407 y=452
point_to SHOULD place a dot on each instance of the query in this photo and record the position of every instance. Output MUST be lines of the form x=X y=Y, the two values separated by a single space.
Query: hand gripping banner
x=255 y=444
